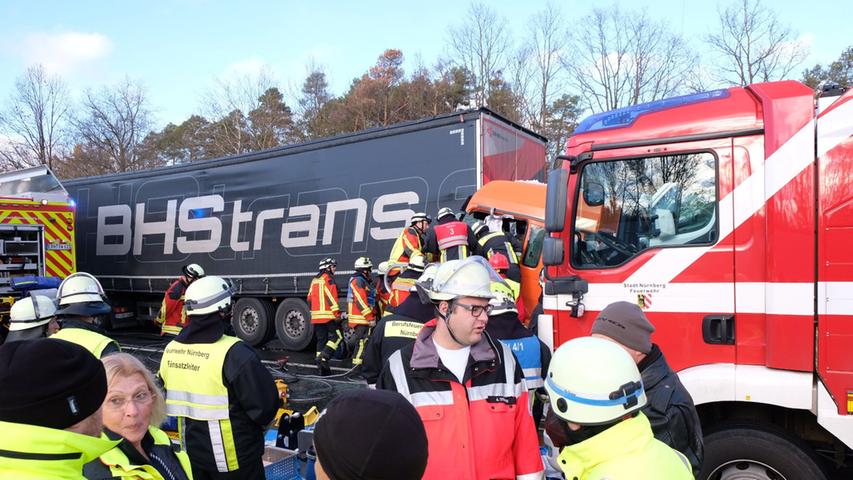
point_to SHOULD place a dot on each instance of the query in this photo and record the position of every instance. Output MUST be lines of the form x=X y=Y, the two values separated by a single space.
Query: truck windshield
x=33 y=180
x=659 y=201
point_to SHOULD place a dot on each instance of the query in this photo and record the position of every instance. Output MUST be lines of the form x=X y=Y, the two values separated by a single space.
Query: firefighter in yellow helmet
x=597 y=392
x=83 y=313
x=217 y=387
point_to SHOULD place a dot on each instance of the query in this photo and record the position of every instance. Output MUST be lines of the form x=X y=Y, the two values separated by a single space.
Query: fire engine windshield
x=627 y=206
x=24 y=183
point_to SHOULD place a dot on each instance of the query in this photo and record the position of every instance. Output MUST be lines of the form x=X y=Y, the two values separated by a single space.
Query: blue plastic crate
x=286 y=467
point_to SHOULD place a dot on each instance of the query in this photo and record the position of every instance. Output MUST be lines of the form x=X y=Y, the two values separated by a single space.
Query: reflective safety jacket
x=449 y=239
x=91 y=340
x=408 y=243
x=496 y=242
x=528 y=354
x=401 y=288
x=172 y=316
x=361 y=300
x=625 y=451
x=28 y=452
x=383 y=297
x=117 y=464
x=479 y=429
x=323 y=298
x=195 y=389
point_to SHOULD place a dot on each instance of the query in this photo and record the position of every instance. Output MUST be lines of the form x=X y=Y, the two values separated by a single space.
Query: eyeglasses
x=476 y=310
x=143 y=397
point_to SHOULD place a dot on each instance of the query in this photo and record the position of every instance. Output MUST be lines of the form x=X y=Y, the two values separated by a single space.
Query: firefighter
x=501 y=264
x=218 y=388
x=172 y=316
x=670 y=407
x=325 y=313
x=468 y=389
x=449 y=238
x=361 y=302
x=490 y=243
x=32 y=317
x=83 y=311
x=405 y=281
x=383 y=291
x=400 y=328
x=532 y=354
x=596 y=391
x=409 y=242
x=51 y=393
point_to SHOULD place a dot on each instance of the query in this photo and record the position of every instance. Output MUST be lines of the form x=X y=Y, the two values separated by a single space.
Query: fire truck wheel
x=293 y=324
x=251 y=320
x=757 y=453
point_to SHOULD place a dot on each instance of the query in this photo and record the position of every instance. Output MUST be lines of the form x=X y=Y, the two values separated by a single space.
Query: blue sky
x=177 y=49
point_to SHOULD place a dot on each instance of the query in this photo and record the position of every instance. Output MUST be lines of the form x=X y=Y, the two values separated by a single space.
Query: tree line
x=544 y=78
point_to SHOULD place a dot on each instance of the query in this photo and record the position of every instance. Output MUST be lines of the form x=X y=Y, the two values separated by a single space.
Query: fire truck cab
x=36 y=234
x=728 y=217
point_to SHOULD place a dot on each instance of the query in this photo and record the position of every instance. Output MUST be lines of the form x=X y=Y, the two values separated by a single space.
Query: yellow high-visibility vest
x=195 y=389
x=91 y=341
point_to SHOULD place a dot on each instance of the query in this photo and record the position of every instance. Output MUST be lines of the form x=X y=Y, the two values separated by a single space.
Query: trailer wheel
x=757 y=453
x=293 y=324
x=251 y=320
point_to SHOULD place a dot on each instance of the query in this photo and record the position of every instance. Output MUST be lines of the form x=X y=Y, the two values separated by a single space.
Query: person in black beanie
x=395 y=448
x=51 y=393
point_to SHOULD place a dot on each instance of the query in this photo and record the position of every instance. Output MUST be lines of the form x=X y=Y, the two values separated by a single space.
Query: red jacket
x=323 y=299
x=172 y=317
x=481 y=430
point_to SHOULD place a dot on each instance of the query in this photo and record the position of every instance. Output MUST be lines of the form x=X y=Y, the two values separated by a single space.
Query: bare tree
x=754 y=46
x=34 y=121
x=481 y=44
x=111 y=126
x=624 y=57
x=227 y=104
x=548 y=39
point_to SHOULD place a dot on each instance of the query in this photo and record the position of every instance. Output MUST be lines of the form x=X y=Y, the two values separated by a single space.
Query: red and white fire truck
x=728 y=217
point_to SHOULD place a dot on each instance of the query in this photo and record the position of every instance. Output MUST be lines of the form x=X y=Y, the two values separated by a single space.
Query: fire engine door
x=654 y=228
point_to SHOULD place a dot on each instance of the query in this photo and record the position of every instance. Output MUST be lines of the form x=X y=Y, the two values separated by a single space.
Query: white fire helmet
x=31 y=312
x=592 y=381
x=479 y=227
x=362 y=263
x=78 y=288
x=423 y=285
x=503 y=301
x=193 y=271
x=471 y=277
x=383 y=268
x=417 y=263
x=444 y=212
x=207 y=295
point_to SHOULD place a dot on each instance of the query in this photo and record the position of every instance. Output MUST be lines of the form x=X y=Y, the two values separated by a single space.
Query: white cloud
x=64 y=52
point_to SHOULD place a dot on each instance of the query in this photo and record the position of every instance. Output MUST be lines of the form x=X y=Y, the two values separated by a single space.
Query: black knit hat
x=371 y=435
x=49 y=383
x=626 y=323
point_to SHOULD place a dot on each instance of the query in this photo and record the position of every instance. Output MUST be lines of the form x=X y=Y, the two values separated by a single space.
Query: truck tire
x=757 y=452
x=251 y=320
x=293 y=324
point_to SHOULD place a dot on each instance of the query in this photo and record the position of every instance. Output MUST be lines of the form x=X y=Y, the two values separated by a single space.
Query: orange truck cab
x=518 y=208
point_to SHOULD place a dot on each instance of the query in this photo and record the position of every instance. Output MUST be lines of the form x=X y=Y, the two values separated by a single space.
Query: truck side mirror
x=552 y=251
x=593 y=194
x=555 y=200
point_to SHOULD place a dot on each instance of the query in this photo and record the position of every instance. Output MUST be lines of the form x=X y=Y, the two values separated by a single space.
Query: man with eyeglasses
x=467 y=388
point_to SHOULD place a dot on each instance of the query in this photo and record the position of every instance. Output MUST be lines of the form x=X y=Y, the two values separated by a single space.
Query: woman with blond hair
x=132 y=410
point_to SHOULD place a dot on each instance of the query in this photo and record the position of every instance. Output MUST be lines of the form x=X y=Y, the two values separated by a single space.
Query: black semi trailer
x=265 y=219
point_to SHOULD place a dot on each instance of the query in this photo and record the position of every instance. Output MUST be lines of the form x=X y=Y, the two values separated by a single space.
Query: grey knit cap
x=626 y=323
